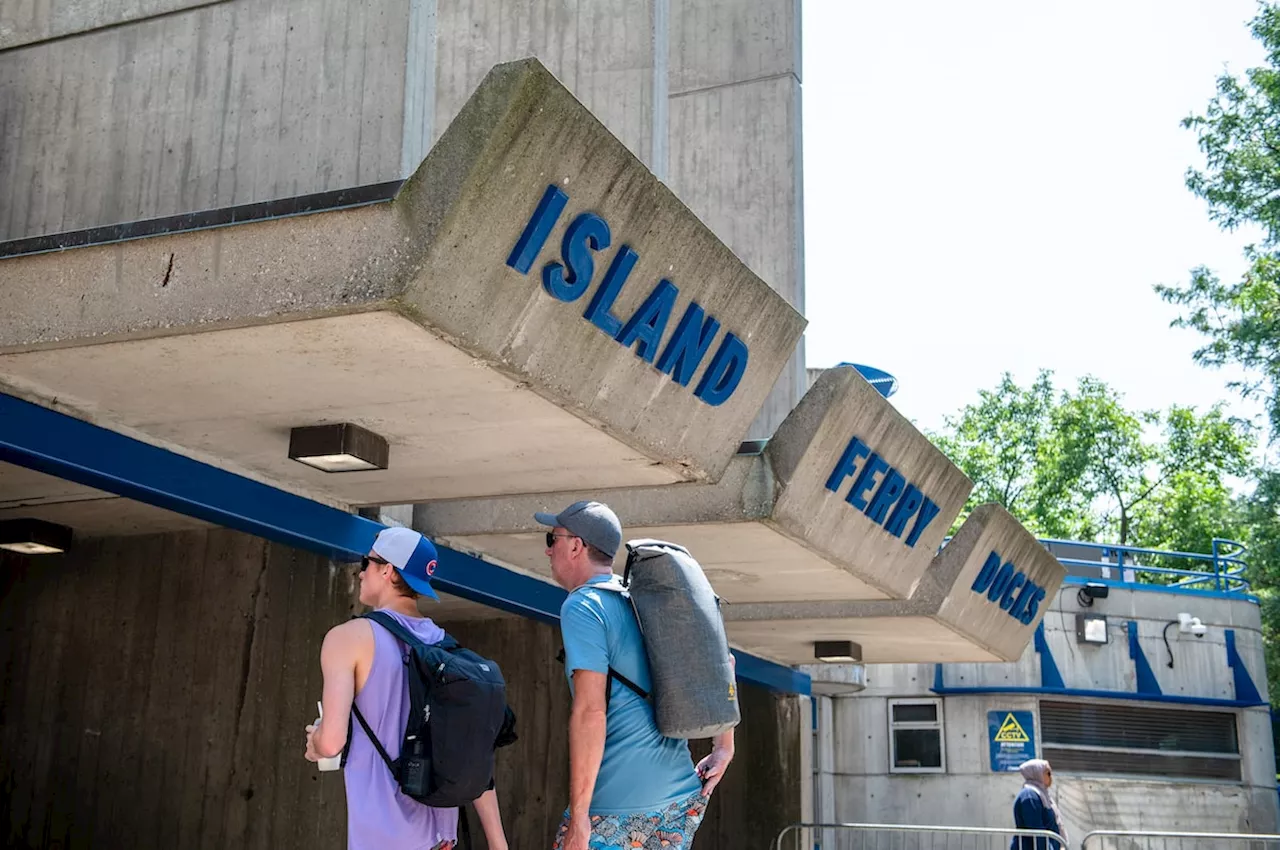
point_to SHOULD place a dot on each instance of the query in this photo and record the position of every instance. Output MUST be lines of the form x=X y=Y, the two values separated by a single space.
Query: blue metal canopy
x=62 y=446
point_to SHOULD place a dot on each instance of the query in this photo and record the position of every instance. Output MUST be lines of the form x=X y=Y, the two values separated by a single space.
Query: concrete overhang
x=831 y=533
x=532 y=310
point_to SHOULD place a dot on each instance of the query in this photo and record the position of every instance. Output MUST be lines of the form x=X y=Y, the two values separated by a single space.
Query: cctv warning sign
x=1012 y=735
x=1011 y=732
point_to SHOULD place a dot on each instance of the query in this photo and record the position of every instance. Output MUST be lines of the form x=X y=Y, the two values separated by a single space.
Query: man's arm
x=339 y=655
x=491 y=820
x=586 y=740
x=711 y=769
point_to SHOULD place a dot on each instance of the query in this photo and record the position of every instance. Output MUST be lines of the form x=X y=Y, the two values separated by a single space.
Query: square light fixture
x=837 y=651
x=341 y=447
x=28 y=536
x=1092 y=628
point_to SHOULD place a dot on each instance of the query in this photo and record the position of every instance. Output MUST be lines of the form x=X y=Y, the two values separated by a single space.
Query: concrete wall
x=155 y=689
x=854 y=783
x=208 y=107
x=119 y=111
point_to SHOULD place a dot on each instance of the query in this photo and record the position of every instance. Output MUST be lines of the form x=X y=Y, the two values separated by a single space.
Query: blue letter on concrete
x=1029 y=589
x=928 y=510
x=906 y=508
x=530 y=243
x=1006 y=598
x=647 y=324
x=588 y=231
x=598 y=310
x=688 y=345
x=890 y=490
x=865 y=481
x=847 y=463
x=724 y=373
x=988 y=573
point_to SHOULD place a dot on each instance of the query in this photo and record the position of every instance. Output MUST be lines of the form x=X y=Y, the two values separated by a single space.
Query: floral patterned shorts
x=674 y=826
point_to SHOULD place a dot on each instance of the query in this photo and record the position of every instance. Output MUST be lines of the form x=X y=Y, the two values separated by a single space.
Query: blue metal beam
x=1049 y=675
x=1246 y=690
x=1177 y=699
x=56 y=444
x=940 y=688
x=1147 y=683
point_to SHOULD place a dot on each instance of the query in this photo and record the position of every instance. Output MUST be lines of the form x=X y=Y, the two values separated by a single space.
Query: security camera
x=1188 y=624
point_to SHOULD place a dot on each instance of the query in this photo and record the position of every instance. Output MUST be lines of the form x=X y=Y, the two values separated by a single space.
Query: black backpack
x=457 y=715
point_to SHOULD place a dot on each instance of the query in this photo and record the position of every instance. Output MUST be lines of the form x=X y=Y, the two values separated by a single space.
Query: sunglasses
x=551 y=538
x=367 y=559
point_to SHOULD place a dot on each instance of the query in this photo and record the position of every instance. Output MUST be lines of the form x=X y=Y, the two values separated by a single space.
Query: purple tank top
x=379 y=817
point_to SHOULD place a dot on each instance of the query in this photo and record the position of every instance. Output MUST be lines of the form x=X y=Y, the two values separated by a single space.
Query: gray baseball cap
x=594 y=522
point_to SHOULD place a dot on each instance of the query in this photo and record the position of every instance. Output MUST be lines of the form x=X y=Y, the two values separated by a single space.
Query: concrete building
x=1150 y=723
x=519 y=280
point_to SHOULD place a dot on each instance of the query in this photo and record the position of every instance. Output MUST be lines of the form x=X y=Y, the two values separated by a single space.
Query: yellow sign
x=1011 y=732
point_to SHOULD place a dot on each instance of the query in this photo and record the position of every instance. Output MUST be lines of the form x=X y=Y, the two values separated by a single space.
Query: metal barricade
x=882 y=836
x=1116 y=839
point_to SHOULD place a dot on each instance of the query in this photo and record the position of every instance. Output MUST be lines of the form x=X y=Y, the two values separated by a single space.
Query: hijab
x=1033 y=773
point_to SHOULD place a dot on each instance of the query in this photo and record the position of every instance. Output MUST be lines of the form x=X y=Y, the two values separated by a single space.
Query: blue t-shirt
x=641 y=771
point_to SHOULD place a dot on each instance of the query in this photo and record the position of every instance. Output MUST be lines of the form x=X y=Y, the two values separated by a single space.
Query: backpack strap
x=413 y=642
x=402 y=634
x=355 y=709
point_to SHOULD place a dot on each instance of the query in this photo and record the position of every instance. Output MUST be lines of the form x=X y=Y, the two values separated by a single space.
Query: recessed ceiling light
x=341 y=447
x=28 y=536
x=837 y=651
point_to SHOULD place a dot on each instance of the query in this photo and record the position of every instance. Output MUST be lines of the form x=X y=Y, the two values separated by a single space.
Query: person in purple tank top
x=363 y=665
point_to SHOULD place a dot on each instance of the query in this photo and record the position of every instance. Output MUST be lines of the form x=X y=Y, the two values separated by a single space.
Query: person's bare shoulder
x=349 y=640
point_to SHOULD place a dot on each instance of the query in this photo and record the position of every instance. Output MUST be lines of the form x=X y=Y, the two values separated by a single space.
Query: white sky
x=995 y=185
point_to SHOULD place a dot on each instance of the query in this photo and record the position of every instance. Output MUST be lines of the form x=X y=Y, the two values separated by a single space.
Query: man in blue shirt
x=628 y=785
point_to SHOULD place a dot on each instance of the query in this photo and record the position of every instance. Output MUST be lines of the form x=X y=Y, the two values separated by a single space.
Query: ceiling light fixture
x=837 y=651
x=341 y=447
x=29 y=536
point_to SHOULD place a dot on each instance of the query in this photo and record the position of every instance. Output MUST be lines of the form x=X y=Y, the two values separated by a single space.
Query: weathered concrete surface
x=456 y=427
x=1004 y=624
x=970 y=794
x=603 y=50
x=809 y=445
x=721 y=42
x=254 y=273
x=735 y=151
x=324 y=291
x=795 y=560
x=37 y=20
x=208 y=108
x=537 y=135
x=156 y=687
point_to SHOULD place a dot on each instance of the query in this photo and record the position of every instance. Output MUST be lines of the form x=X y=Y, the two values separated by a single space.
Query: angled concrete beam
x=530 y=238
x=988 y=586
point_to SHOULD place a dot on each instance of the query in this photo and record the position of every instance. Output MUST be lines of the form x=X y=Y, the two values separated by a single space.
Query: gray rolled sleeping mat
x=694 y=695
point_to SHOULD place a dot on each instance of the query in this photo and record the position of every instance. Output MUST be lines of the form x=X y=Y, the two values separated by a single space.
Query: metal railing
x=1111 y=839
x=882 y=836
x=1223 y=569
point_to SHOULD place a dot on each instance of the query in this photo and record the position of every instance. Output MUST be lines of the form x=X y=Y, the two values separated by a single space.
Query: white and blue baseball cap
x=413 y=556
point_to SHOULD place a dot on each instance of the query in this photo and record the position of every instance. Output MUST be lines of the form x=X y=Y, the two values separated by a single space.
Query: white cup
x=332 y=762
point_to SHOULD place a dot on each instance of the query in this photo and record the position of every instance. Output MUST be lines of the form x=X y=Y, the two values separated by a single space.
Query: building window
x=1139 y=741
x=915 y=736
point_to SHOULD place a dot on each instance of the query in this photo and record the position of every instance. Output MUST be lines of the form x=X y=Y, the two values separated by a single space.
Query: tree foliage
x=1080 y=464
x=1239 y=134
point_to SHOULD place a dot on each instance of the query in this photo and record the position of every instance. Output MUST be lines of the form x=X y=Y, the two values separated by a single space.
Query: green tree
x=1239 y=134
x=1080 y=464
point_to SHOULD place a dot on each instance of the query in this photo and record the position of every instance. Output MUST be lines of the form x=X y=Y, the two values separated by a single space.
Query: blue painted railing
x=1222 y=570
